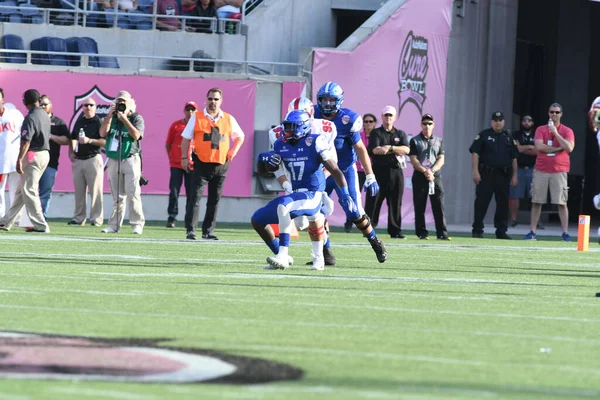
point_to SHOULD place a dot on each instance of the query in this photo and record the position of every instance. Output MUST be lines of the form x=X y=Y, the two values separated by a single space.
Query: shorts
x=555 y=183
x=523 y=188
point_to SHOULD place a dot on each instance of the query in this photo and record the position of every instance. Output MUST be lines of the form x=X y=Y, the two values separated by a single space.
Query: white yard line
x=105 y=394
x=11 y=396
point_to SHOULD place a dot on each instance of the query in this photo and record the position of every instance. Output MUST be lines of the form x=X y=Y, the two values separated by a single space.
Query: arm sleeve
x=138 y=122
x=236 y=130
x=404 y=139
x=27 y=129
x=413 y=148
x=476 y=145
x=373 y=140
x=188 y=132
x=171 y=134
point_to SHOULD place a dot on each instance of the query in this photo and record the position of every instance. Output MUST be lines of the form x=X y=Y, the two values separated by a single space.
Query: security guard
x=494 y=164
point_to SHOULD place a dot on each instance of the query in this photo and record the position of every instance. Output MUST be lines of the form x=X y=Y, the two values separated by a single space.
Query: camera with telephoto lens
x=121 y=107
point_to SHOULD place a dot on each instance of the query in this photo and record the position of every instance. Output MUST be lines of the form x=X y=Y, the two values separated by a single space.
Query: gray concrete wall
x=132 y=42
x=280 y=28
x=479 y=81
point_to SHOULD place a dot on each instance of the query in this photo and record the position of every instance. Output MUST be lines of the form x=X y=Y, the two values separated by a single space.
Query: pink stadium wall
x=403 y=63
x=160 y=100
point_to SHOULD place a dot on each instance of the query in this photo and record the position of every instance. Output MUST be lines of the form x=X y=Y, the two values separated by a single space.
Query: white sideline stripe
x=113 y=394
x=281 y=276
x=10 y=396
x=319 y=277
x=396 y=356
x=9 y=239
x=294 y=323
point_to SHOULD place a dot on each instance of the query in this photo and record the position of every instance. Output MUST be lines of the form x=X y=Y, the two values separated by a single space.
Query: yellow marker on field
x=583 y=233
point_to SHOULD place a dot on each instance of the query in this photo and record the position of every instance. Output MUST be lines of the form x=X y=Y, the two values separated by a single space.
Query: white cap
x=389 y=110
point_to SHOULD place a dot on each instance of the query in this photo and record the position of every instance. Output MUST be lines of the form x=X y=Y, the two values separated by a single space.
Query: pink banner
x=403 y=63
x=160 y=100
x=289 y=92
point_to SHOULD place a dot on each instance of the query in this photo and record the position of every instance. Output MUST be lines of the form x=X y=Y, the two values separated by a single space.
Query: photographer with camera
x=123 y=129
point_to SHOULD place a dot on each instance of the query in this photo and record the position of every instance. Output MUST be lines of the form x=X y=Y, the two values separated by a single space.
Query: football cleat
x=379 y=249
x=318 y=263
x=278 y=262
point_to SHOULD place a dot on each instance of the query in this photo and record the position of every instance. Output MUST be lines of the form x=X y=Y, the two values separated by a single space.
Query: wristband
x=345 y=190
x=89 y=140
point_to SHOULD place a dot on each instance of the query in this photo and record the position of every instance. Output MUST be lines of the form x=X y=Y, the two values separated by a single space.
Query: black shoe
x=73 y=222
x=398 y=236
x=31 y=229
x=477 y=235
x=347 y=227
x=171 y=224
x=328 y=256
x=513 y=223
x=191 y=235
x=423 y=237
x=444 y=237
x=503 y=235
x=208 y=236
x=379 y=249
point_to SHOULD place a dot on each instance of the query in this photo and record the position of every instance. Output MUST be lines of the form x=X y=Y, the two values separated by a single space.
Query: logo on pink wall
x=103 y=102
x=412 y=71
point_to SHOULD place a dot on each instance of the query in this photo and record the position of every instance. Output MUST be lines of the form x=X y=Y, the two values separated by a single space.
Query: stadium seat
x=50 y=43
x=31 y=14
x=108 y=62
x=85 y=45
x=122 y=20
x=13 y=42
x=15 y=18
x=145 y=6
x=139 y=20
x=5 y=13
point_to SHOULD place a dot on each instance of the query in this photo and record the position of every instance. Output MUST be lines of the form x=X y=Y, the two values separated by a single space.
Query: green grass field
x=467 y=319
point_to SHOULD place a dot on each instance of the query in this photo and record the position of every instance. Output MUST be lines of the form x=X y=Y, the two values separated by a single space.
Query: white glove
x=287 y=186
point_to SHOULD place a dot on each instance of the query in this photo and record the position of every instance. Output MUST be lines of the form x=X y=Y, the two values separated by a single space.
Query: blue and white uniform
x=348 y=125
x=303 y=161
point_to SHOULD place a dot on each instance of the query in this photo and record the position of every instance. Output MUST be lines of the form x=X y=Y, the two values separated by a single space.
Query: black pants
x=494 y=182
x=178 y=176
x=420 y=194
x=391 y=189
x=210 y=174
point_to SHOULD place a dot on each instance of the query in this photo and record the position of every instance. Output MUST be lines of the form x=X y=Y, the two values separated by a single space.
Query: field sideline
x=466 y=319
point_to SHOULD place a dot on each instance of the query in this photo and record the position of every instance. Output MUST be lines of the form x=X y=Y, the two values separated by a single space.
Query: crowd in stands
x=200 y=15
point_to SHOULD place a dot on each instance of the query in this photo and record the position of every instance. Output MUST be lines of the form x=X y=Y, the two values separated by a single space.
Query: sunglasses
x=368 y=121
x=555 y=112
x=427 y=123
x=45 y=104
x=213 y=99
x=190 y=109
x=388 y=115
x=89 y=105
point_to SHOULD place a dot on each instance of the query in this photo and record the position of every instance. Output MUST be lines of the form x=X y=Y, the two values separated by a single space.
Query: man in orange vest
x=212 y=130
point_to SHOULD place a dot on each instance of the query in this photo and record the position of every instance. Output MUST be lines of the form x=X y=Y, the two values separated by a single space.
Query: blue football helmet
x=330 y=98
x=296 y=125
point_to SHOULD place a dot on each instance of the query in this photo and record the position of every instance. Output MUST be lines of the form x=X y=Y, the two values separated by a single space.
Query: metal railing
x=82 y=16
x=145 y=63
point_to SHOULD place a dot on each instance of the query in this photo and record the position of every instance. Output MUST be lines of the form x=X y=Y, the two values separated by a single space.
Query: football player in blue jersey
x=349 y=147
x=303 y=154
